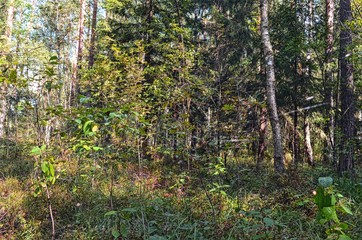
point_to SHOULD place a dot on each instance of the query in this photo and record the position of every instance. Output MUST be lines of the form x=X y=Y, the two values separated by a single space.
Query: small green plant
x=218 y=170
x=45 y=179
x=329 y=203
x=47 y=176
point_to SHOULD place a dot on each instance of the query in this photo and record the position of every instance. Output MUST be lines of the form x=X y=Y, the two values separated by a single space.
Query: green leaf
x=49 y=72
x=333 y=200
x=35 y=151
x=51 y=169
x=86 y=147
x=97 y=148
x=319 y=198
x=131 y=210
x=322 y=221
x=53 y=60
x=346 y=209
x=228 y=107
x=87 y=126
x=330 y=213
x=37 y=191
x=344 y=237
x=115 y=233
x=44 y=167
x=110 y=213
x=124 y=231
x=48 y=85
x=268 y=222
x=340 y=195
x=343 y=226
x=84 y=99
x=20 y=106
x=53 y=180
x=13 y=76
x=302 y=203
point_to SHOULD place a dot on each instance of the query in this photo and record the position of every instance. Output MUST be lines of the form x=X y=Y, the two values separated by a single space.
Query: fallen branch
x=306 y=108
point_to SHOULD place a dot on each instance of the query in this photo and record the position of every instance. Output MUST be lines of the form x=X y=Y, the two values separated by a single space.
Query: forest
x=180 y=119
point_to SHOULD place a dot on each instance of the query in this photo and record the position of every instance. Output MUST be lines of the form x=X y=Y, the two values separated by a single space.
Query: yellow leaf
x=95 y=128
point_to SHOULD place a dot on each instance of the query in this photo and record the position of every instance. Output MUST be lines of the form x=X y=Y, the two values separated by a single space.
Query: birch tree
x=77 y=63
x=3 y=85
x=279 y=165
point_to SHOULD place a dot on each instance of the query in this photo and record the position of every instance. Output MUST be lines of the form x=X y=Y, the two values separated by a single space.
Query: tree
x=78 y=61
x=270 y=86
x=3 y=85
x=262 y=136
x=329 y=81
x=347 y=121
x=93 y=34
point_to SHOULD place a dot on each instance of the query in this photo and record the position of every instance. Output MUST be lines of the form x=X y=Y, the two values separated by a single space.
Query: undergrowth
x=150 y=200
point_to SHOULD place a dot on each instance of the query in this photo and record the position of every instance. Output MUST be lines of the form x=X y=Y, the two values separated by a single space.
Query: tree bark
x=279 y=165
x=3 y=85
x=3 y=108
x=77 y=64
x=329 y=82
x=9 y=20
x=298 y=75
x=308 y=143
x=263 y=127
x=93 y=34
x=296 y=146
x=347 y=123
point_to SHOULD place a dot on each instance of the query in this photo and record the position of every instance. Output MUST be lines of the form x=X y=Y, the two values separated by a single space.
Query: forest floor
x=100 y=199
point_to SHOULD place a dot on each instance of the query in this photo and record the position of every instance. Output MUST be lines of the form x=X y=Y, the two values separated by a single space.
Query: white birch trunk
x=279 y=165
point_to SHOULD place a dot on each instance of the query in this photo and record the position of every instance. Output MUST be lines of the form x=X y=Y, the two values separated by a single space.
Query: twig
x=51 y=213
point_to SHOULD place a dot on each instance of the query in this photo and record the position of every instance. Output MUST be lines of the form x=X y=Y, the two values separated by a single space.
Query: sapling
x=46 y=179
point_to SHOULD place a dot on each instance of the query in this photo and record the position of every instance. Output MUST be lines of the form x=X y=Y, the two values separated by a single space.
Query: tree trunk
x=347 y=124
x=9 y=21
x=3 y=85
x=298 y=75
x=93 y=34
x=77 y=64
x=263 y=127
x=329 y=82
x=149 y=49
x=307 y=142
x=296 y=146
x=279 y=165
x=3 y=108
